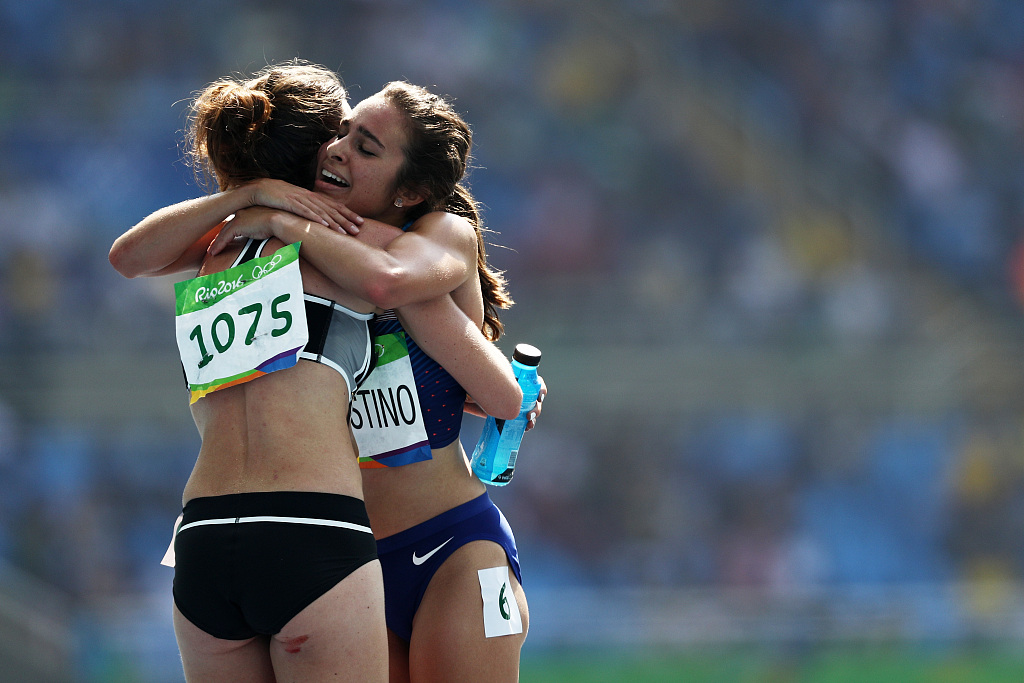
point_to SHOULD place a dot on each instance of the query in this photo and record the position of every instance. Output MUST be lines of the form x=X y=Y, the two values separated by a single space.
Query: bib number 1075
x=242 y=323
x=222 y=327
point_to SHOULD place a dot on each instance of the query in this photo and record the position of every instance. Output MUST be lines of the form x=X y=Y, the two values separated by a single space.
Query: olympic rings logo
x=259 y=271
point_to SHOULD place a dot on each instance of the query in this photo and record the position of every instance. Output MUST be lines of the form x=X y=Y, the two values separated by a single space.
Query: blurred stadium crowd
x=817 y=204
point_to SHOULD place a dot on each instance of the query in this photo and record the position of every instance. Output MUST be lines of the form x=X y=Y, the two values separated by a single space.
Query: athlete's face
x=359 y=166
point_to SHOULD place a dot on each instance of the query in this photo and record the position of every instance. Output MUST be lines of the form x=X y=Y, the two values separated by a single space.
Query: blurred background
x=771 y=250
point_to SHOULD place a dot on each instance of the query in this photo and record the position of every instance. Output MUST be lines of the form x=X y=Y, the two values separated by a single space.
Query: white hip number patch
x=168 y=560
x=501 y=611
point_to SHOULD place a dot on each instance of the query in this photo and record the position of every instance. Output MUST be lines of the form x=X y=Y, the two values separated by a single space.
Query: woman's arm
x=170 y=240
x=534 y=411
x=446 y=334
x=175 y=238
x=434 y=258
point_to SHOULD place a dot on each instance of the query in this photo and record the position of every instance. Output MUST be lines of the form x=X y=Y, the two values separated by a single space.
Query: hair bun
x=242 y=110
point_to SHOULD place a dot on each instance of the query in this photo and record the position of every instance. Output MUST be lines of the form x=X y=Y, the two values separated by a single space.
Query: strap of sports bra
x=251 y=250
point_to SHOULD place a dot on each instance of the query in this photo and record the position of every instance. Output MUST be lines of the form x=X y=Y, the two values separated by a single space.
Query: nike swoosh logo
x=420 y=560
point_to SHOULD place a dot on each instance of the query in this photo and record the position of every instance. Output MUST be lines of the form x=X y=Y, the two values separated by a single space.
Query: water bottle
x=494 y=458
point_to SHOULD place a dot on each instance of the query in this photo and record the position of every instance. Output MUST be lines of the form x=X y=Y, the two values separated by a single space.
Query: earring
x=398 y=202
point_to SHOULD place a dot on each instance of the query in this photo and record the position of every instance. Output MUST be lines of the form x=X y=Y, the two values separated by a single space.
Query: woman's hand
x=535 y=411
x=277 y=194
x=257 y=222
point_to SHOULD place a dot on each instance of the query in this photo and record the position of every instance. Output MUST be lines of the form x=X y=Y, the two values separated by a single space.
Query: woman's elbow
x=383 y=290
x=118 y=259
x=509 y=406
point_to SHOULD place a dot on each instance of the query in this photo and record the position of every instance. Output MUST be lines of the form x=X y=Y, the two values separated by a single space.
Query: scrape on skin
x=294 y=645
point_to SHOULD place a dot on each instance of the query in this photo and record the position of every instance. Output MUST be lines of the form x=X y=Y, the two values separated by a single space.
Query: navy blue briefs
x=410 y=558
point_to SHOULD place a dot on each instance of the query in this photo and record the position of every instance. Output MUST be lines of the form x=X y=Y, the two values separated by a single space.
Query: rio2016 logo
x=206 y=294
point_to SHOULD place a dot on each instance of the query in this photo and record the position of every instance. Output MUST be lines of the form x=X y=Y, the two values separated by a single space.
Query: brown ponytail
x=436 y=162
x=492 y=281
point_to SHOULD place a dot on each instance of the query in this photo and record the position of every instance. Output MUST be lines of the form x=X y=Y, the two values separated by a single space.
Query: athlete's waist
x=276 y=506
x=200 y=485
x=446 y=470
x=402 y=497
x=330 y=468
x=415 y=531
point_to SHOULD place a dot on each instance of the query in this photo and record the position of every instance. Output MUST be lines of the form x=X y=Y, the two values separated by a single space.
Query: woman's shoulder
x=446 y=228
x=442 y=219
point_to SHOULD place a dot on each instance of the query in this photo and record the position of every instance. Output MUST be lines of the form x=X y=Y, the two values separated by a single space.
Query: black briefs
x=247 y=563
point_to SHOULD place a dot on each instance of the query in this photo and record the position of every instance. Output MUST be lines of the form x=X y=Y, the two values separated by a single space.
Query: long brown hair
x=436 y=160
x=268 y=126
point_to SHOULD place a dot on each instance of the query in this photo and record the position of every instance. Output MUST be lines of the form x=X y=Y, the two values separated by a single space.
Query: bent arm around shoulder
x=175 y=238
x=449 y=336
x=433 y=258
x=170 y=240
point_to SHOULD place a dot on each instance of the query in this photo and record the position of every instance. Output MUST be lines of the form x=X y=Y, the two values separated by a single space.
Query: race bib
x=241 y=323
x=386 y=416
x=501 y=611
